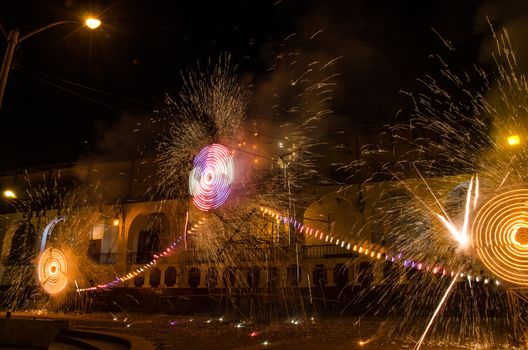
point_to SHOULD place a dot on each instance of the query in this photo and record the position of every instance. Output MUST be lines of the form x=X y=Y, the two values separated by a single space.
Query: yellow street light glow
x=92 y=23
x=514 y=140
x=9 y=194
x=116 y=222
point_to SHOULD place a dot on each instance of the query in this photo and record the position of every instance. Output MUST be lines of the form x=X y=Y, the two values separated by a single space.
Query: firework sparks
x=209 y=110
x=456 y=130
x=440 y=304
x=462 y=235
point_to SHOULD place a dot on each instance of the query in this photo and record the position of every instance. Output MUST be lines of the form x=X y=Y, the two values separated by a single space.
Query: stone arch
x=8 y=238
x=23 y=245
x=397 y=219
x=335 y=214
x=148 y=234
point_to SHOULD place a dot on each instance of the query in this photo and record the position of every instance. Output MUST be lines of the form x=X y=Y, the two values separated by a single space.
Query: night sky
x=71 y=89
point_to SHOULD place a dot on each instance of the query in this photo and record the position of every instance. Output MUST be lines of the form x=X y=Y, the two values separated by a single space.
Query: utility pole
x=12 y=42
x=13 y=39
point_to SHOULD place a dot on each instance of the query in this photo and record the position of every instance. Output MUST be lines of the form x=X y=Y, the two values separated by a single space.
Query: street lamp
x=10 y=194
x=92 y=23
x=14 y=38
x=514 y=140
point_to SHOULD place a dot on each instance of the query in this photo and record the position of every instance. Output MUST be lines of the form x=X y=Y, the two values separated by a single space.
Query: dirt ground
x=208 y=332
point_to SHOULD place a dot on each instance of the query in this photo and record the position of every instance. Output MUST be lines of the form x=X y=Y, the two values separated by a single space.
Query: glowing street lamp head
x=92 y=23
x=9 y=194
x=514 y=140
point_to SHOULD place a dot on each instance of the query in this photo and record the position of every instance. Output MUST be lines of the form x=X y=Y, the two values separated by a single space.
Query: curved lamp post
x=14 y=38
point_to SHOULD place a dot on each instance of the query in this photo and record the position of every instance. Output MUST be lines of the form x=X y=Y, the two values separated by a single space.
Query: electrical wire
x=78 y=94
x=90 y=88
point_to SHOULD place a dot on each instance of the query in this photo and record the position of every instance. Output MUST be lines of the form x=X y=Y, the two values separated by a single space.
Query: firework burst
x=273 y=158
x=451 y=168
x=56 y=222
x=209 y=109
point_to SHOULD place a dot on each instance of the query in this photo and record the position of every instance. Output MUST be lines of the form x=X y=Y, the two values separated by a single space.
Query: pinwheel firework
x=211 y=177
x=53 y=271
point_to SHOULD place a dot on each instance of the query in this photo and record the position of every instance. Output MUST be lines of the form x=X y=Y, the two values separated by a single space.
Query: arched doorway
x=398 y=222
x=148 y=244
x=23 y=245
x=147 y=236
x=335 y=214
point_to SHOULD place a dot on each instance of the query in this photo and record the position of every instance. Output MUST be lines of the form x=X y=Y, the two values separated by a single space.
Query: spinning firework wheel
x=211 y=177
x=500 y=236
x=53 y=271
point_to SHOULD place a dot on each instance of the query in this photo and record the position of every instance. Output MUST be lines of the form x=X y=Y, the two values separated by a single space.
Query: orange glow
x=52 y=271
x=365 y=342
x=92 y=23
x=514 y=140
x=500 y=236
x=9 y=194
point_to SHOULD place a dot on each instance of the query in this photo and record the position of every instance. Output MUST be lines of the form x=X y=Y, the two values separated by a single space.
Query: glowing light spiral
x=211 y=178
x=500 y=235
x=53 y=271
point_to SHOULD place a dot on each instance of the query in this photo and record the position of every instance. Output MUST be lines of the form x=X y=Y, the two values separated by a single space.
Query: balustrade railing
x=104 y=258
x=326 y=251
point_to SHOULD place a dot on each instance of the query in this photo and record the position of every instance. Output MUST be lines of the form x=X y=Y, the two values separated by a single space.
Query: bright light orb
x=514 y=140
x=92 y=23
x=211 y=178
x=500 y=236
x=53 y=271
x=9 y=194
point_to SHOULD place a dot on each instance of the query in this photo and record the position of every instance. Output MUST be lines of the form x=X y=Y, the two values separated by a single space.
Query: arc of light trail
x=443 y=218
x=475 y=200
x=364 y=247
x=430 y=191
x=185 y=230
x=442 y=301
x=504 y=179
x=169 y=250
x=48 y=230
x=462 y=235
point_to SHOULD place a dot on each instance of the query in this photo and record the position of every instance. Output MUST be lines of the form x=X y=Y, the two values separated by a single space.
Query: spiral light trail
x=53 y=271
x=500 y=235
x=211 y=178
